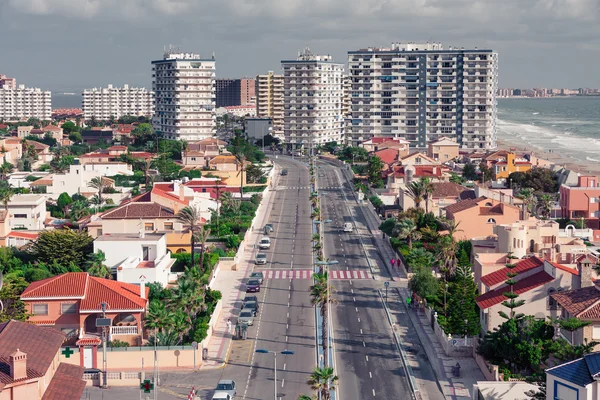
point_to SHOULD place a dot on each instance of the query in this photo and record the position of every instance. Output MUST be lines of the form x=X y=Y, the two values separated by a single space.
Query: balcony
x=123 y=330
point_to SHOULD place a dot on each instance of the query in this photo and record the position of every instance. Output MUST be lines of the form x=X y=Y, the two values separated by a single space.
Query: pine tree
x=513 y=302
x=462 y=306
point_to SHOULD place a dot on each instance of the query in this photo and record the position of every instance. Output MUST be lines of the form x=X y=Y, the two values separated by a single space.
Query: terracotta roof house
x=577 y=379
x=444 y=194
x=224 y=163
x=388 y=156
x=380 y=143
x=30 y=367
x=71 y=303
x=536 y=281
x=94 y=136
x=443 y=149
x=477 y=217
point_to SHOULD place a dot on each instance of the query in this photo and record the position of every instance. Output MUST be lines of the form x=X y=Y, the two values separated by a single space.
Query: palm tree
x=321 y=296
x=5 y=169
x=190 y=216
x=447 y=255
x=6 y=193
x=165 y=338
x=427 y=189
x=544 y=205
x=95 y=265
x=526 y=195
x=320 y=379
x=407 y=229
x=241 y=158
x=201 y=237
x=145 y=164
x=226 y=199
x=414 y=190
x=158 y=318
x=99 y=184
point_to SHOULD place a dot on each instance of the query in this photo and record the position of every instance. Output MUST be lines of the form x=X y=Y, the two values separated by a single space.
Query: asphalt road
x=367 y=362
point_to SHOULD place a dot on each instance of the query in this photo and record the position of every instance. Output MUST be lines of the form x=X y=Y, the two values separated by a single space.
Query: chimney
x=181 y=192
x=143 y=286
x=18 y=365
x=586 y=272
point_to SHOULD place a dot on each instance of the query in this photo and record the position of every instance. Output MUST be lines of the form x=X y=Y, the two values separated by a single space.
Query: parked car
x=252 y=305
x=261 y=258
x=258 y=275
x=226 y=386
x=253 y=285
x=246 y=317
x=348 y=227
x=222 y=396
x=249 y=298
x=284 y=172
x=264 y=243
x=268 y=228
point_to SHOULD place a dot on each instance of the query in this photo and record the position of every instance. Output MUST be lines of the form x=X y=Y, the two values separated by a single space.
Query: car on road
x=252 y=305
x=258 y=275
x=226 y=386
x=284 y=172
x=261 y=258
x=249 y=298
x=222 y=396
x=253 y=285
x=246 y=317
x=264 y=243
x=348 y=227
x=269 y=227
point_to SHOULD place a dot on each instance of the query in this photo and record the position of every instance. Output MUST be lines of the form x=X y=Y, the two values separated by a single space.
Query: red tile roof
x=388 y=156
x=431 y=171
x=39 y=343
x=581 y=303
x=91 y=290
x=570 y=270
x=464 y=205
x=66 y=383
x=24 y=235
x=137 y=210
x=163 y=189
x=447 y=189
x=117 y=148
x=88 y=342
x=52 y=128
x=497 y=296
x=522 y=266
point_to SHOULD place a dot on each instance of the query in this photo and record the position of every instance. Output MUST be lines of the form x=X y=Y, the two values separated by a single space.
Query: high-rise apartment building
x=421 y=92
x=269 y=99
x=312 y=100
x=115 y=102
x=21 y=102
x=184 y=96
x=235 y=92
x=5 y=81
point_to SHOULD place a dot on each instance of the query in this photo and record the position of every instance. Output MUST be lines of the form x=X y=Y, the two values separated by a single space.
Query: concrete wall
x=453 y=346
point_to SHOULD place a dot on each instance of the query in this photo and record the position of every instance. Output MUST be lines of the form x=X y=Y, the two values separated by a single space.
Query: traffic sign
x=195 y=345
x=147 y=386
x=386 y=283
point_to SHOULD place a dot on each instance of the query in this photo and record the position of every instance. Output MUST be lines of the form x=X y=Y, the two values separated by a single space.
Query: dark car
x=249 y=298
x=252 y=305
x=284 y=172
x=258 y=275
x=253 y=285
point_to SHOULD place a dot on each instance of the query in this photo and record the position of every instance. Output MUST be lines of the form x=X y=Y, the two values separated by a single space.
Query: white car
x=264 y=243
x=348 y=227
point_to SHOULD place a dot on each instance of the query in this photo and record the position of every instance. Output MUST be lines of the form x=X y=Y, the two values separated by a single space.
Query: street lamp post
x=286 y=352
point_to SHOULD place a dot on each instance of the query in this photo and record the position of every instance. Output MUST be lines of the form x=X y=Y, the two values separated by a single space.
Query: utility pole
x=105 y=382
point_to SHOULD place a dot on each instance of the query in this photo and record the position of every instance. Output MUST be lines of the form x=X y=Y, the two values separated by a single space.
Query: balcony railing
x=123 y=330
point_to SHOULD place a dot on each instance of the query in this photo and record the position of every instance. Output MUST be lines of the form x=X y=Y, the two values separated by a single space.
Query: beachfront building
x=115 y=102
x=184 y=96
x=422 y=92
x=234 y=92
x=269 y=99
x=22 y=103
x=582 y=200
x=313 y=100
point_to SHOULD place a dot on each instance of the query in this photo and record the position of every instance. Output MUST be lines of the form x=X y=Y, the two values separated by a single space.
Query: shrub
x=117 y=343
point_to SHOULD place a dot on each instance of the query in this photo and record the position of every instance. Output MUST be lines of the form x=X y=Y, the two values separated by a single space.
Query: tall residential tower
x=22 y=102
x=312 y=100
x=269 y=99
x=184 y=96
x=421 y=92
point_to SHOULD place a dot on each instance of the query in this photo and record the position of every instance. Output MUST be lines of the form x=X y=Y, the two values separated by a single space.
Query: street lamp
x=285 y=352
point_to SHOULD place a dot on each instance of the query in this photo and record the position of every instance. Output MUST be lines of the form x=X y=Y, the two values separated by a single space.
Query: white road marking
x=356 y=309
x=364 y=344
x=361 y=331
x=354 y=298
x=370 y=375
x=284 y=366
x=282 y=382
x=359 y=319
x=373 y=392
x=367 y=357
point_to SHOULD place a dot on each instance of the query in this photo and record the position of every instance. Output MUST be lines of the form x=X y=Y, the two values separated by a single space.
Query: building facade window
x=168 y=226
x=40 y=309
x=491 y=221
x=68 y=308
x=148 y=226
x=596 y=332
x=20 y=215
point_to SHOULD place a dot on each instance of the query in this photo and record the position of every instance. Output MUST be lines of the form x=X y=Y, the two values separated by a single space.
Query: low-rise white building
x=137 y=258
x=115 y=102
x=28 y=211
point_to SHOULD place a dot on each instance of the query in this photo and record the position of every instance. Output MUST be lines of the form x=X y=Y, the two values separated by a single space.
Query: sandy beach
x=555 y=158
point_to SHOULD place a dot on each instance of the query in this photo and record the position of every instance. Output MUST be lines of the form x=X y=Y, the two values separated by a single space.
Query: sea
x=569 y=126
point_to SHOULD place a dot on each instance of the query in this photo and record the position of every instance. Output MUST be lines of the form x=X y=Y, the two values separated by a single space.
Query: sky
x=68 y=45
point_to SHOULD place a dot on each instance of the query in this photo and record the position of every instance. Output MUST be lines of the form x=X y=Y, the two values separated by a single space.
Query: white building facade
x=421 y=92
x=22 y=103
x=312 y=100
x=115 y=102
x=184 y=96
x=28 y=211
x=269 y=99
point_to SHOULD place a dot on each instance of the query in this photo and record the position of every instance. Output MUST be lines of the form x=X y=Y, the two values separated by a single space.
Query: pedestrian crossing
x=330 y=187
x=307 y=274
x=292 y=187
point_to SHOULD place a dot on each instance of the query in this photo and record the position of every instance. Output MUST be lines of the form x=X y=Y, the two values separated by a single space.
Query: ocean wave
x=592 y=159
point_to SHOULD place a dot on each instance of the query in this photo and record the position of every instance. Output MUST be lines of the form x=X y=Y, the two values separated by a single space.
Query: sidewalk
x=453 y=388
x=229 y=283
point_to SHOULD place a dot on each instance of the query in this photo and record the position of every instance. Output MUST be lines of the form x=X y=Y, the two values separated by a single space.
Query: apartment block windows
x=148 y=226
x=40 y=309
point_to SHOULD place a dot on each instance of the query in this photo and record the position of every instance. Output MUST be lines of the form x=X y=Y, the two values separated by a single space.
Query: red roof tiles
x=497 y=296
x=522 y=266
x=447 y=189
x=66 y=383
x=581 y=303
x=388 y=156
x=464 y=205
x=137 y=210
x=570 y=270
x=90 y=341
x=72 y=285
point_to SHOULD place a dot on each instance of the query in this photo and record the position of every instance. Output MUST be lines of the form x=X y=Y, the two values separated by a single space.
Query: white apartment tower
x=115 y=102
x=421 y=92
x=312 y=100
x=269 y=99
x=184 y=96
x=21 y=102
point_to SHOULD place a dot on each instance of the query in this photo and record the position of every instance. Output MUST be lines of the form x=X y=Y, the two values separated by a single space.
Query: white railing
x=123 y=330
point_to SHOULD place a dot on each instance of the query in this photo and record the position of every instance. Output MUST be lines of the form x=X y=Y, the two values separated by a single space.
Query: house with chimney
x=137 y=258
x=71 y=303
x=29 y=364
x=443 y=149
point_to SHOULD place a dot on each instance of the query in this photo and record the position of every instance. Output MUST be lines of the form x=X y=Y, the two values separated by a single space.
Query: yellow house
x=504 y=163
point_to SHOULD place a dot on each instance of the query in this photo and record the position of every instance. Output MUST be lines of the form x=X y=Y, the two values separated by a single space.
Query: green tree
x=420 y=258
x=469 y=172
x=69 y=127
x=76 y=137
x=513 y=301
x=100 y=184
x=414 y=190
x=407 y=229
x=544 y=205
x=526 y=194
x=320 y=294
x=455 y=178
x=6 y=193
x=202 y=235
x=322 y=380
x=167 y=168
x=254 y=174
x=423 y=283
x=143 y=133
x=95 y=265
x=446 y=253
x=63 y=203
x=427 y=189
x=486 y=172
x=62 y=246
x=10 y=295
x=190 y=218
x=463 y=316
x=6 y=169
x=388 y=226
x=375 y=168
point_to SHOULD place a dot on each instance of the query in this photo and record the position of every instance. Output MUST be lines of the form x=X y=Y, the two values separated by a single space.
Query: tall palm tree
x=190 y=217
x=96 y=267
x=241 y=158
x=201 y=237
x=427 y=189
x=158 y=318
x=145 y=164
x=5 y=169
x=321 y=379
x=99 y=184
x=226 y=199
x=407 y=229
x=414 y=190
x=447 y=248
x=544 y=205
x=320 y=294
x=526 y=195
x=6 y=192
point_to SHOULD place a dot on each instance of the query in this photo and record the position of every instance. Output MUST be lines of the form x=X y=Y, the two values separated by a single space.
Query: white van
x=348 y=227
x=265 y=243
